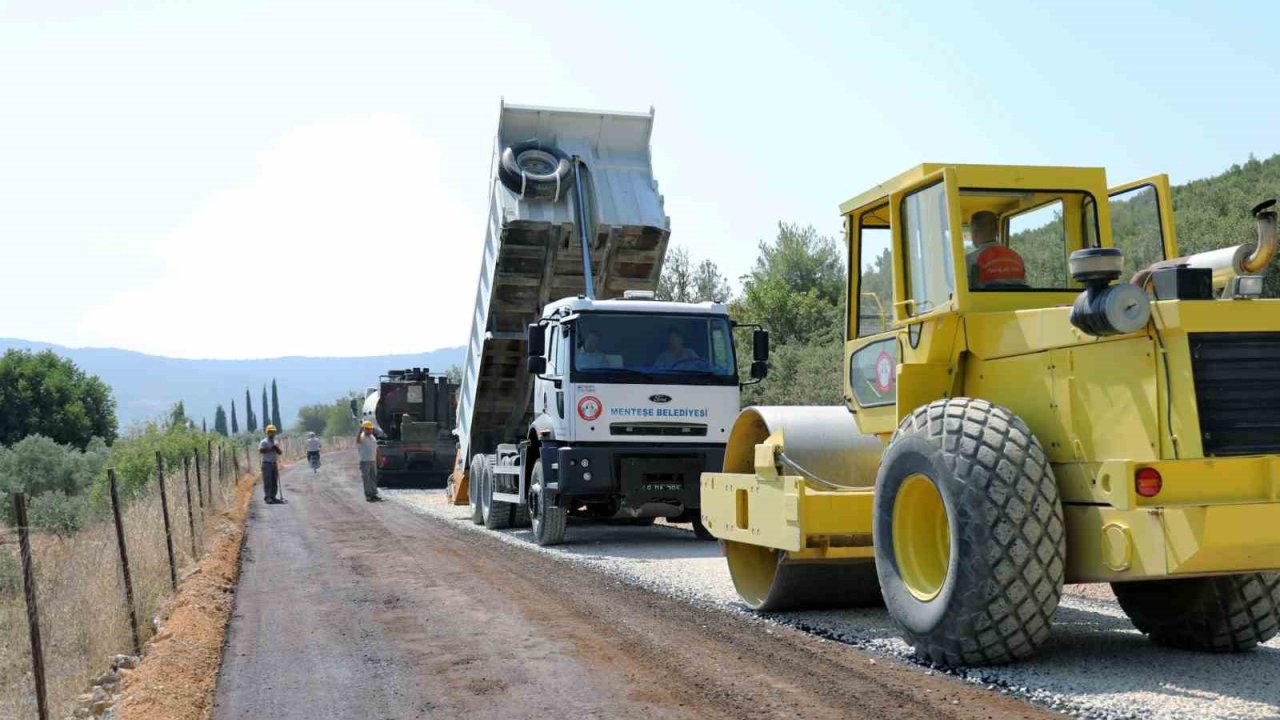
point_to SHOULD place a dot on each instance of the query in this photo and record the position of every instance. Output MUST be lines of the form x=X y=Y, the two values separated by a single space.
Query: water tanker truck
x=412 y=412
x=581 y=394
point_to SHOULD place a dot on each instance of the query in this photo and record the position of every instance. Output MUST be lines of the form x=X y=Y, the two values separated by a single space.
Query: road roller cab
x=1038 y=390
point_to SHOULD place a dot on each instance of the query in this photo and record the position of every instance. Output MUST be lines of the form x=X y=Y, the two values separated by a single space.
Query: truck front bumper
x=638 y=474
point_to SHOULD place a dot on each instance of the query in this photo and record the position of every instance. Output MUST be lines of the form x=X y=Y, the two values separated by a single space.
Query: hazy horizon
x=265 y=179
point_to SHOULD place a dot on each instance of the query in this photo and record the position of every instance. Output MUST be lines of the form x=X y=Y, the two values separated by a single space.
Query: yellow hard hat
x=271 y=428
x=366 y=424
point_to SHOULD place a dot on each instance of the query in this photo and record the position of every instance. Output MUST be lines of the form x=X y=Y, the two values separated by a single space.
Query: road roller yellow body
x=1039 y=390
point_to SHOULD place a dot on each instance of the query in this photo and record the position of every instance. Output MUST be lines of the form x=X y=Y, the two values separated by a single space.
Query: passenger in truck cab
x=676 y=353
x=590 y=356
x=990 y=264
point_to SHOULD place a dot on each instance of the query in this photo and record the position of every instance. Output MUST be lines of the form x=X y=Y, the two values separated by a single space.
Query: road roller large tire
x=475 y=487
x=1213 y=614
x=768 y=581
x=969 y=535
x=548 y=520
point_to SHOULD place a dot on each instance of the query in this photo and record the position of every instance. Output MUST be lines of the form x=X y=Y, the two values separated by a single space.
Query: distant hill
x=145 y=386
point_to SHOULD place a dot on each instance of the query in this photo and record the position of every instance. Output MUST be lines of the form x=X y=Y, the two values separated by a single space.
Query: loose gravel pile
x=1095 y=666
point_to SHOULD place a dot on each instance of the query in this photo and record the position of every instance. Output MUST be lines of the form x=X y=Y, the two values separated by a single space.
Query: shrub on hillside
x=134 y=455
x=44 y=394
x=60 y=513
x=37 y=466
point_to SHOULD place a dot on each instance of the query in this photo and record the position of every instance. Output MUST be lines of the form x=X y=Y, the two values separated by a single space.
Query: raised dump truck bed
x=533 y=251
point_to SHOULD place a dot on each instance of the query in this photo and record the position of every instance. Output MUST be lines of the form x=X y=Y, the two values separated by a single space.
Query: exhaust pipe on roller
x=1247 y=259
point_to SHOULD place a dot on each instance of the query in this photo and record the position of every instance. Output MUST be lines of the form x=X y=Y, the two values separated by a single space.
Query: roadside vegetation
x=59 y=436
x=330 y=419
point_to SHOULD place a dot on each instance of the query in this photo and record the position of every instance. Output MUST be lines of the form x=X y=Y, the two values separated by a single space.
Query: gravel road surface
x=1095 y=666
x=347 y=609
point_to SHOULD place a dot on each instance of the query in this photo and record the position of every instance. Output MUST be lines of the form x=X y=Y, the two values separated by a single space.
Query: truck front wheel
x=1210 y=614
x=548 y=520
x=969 y=536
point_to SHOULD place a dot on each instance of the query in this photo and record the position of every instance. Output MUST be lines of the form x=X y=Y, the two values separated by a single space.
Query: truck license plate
x=662 y=487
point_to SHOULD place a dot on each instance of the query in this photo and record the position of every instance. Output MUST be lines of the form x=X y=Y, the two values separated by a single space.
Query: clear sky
x=253 y=179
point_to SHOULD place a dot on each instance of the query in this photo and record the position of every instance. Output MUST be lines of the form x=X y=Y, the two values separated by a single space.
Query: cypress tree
x=250 y=422
x=266 y=414
x=204 y=425
x=275 y=405
x=220 y=421
x=235 y=424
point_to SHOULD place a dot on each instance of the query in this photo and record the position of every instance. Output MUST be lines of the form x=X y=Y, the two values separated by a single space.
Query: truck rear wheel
x=969 y=536
x=475 y=488
x=497 y=514
x=548 y=520
x=1211 y=614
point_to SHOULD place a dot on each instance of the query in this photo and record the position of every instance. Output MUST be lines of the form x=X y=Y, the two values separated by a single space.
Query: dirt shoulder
x=180 y=666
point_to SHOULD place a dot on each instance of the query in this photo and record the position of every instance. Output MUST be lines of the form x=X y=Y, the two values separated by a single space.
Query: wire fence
x=68 y=605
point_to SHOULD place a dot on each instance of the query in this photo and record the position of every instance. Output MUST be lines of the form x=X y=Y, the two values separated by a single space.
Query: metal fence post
x=124 y=561
x=209 y=469
x=168 y=530
x=33 y=614
x=199 y=486
x=191 y=518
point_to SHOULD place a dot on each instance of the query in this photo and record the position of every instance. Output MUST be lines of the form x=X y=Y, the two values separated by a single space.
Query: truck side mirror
x=759 y=370
x=537 y=342
x=537 y=364
x=355 y=411
x=759 y=348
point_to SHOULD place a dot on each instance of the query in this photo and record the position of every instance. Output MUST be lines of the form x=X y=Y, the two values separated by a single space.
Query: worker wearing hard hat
x=367 y=449
x=270 y=453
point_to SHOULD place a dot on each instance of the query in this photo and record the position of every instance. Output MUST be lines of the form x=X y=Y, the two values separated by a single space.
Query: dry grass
x=80 y=592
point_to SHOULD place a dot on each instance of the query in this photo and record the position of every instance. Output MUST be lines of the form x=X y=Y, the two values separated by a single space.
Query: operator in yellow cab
x=367 y=449
x=992 y=265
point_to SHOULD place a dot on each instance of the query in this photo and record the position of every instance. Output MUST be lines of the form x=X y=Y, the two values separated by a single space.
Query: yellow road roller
x=1038 y=390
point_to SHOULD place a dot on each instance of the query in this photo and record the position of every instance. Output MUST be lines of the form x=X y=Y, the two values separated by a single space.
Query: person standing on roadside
x=367 y=448
x=270 y=453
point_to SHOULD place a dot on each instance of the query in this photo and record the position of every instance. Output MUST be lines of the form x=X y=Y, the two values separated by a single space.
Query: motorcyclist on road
x=313 y=451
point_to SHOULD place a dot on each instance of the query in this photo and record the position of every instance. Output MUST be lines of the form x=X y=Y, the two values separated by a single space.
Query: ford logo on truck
x=660 y=398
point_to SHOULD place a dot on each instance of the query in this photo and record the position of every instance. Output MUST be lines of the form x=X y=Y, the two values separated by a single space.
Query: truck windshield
x=624 y=347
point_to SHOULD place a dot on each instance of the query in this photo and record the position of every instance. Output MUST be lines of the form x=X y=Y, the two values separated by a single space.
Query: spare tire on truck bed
x=536 y=170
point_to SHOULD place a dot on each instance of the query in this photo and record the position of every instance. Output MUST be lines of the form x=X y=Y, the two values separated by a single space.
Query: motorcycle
x=313 y=457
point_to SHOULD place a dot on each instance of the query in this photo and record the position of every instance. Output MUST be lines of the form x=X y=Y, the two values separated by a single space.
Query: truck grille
x=1237 y=380
x=666 y=429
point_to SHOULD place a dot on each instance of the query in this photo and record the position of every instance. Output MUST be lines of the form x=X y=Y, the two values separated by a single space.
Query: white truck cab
x=633 y=399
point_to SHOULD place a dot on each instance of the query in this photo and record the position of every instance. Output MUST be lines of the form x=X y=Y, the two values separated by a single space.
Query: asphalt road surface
x=347 y=609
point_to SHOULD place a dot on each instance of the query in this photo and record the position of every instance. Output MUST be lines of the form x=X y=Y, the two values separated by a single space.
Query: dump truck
x=412 y=412
x=581 y=393
x=1017 y=417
